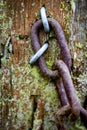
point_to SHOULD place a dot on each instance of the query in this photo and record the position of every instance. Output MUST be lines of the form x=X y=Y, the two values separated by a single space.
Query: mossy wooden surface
x=20 y=80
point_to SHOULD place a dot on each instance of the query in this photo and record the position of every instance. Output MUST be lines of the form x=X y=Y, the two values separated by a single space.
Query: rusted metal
x=70 y=104
x=64 y=111
x=69 y=88
x=65 y=53
x=69 y=101
x=74 y=106
x=61 y=91
x=62 y=70
x=64 y=102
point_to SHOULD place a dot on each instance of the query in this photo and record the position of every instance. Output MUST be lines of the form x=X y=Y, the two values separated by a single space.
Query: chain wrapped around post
x=61 y=74
x=64 y=101
x=61 y=41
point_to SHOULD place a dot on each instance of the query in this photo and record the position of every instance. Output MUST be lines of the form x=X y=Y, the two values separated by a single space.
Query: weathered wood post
x=20 y=80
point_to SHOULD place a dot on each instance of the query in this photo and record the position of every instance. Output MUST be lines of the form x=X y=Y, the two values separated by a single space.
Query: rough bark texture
x=19 y=80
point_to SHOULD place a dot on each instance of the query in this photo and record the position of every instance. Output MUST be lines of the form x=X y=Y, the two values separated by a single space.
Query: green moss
x=2 y=4
x=79 y=45
x=28 y=80
x=85 y=54
x=77 y=126
x=49 y=64
x=66 y=18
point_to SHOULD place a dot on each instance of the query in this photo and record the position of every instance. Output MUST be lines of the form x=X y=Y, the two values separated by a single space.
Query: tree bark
x=20 y=80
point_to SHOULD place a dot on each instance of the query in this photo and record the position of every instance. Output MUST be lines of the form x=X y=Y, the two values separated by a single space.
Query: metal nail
x=39 y=53
x=44 y=19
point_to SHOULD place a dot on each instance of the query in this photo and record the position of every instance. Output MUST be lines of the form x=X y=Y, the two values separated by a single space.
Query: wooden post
x=20 y=80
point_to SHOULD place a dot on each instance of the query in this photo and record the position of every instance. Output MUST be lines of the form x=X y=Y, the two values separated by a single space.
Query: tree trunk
x=25 y=92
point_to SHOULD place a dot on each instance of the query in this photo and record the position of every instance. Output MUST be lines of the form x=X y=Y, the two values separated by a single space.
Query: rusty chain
x=61 y=74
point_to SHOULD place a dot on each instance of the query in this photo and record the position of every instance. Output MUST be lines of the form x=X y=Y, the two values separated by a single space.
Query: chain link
x=61 y=74
x=65 y=53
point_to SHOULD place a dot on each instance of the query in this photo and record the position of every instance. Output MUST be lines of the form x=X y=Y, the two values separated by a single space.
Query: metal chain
x=64 y=85
x=47 y=29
